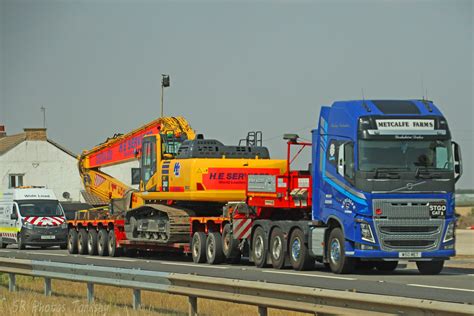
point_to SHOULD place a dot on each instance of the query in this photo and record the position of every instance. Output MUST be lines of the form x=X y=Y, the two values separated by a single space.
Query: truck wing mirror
x=341 y=163
x=457 y=161
x=14 y=216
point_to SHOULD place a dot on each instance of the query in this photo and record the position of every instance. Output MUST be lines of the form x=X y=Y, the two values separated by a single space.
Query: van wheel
x=72 y=241
x=20 y=242
x=299 y=252
x=63 y=246
x=230 y=246
x=338 y=261
x=198 y=247
x=259 y=248
x=92 y=242
x=112 y=245
x=277 y=248
x=102 y=242
x=430 y=267
x=214 y=253
x=82 y=242
x=3 y=245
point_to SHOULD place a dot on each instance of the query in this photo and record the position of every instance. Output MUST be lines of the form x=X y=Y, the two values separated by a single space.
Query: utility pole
x=165 y=82
x=43 y=109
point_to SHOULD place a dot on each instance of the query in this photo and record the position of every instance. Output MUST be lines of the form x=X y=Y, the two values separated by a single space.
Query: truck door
x=148 y=164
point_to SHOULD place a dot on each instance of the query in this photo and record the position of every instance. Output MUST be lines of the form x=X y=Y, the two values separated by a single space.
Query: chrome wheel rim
x=335 y=251
x=277 y=248
x=296 y=249
x=258 y=247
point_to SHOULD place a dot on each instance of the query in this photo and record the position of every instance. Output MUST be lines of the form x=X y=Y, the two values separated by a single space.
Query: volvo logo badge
x=409 y=186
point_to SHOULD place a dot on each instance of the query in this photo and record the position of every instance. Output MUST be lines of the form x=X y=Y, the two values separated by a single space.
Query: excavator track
x=159 y=223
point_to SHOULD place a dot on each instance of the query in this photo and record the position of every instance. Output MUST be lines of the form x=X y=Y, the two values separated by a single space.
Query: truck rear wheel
x=92 y=242
x=214 y=253
x=230 y=246
x=259 y=248
x=102 y=242
x=198 y=247
x=277 y=248
x=112 y=245
x=299 y=253
x=338 y=261
x=72 y=241
x=82 y=242
x=430 y=267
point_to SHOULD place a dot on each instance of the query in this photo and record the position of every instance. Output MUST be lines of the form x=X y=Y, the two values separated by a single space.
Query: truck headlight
x=366 y=232
x=27 y=225
x=449 y=235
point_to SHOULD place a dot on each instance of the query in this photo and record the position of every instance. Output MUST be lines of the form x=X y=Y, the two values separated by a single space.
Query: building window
x=16 y=180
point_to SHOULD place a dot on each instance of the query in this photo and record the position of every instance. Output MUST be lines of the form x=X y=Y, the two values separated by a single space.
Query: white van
x=31 y=216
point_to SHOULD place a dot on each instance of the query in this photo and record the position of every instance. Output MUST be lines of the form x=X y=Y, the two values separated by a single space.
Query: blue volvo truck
x=379 y=189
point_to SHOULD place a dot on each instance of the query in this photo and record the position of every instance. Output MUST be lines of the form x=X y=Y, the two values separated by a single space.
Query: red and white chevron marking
x=8 y=235
x=241 y=228
x=45 y=221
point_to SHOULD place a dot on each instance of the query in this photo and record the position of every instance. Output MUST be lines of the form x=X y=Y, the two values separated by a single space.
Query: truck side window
x=349 y=158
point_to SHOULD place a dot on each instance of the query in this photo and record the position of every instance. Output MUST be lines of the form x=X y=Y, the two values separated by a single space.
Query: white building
x=31 y=159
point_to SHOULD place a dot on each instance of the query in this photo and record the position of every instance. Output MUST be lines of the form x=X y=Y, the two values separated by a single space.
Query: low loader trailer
x=379 y=189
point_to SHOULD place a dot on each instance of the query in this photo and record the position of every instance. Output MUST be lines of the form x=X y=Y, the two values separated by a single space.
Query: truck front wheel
x=72 y=241
x=338 y=261
x=430 y=267
x=299 y=253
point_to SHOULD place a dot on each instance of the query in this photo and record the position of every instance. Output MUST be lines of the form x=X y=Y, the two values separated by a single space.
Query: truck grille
x=405 y=225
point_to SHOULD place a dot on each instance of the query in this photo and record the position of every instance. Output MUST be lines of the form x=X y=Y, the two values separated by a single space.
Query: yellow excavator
x=181 y=175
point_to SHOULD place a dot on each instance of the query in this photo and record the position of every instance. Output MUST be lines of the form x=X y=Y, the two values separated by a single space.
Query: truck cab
x=31 y=216
x=383 y=184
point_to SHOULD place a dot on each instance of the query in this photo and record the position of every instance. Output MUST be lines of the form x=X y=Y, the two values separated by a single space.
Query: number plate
x=409 y=254
x=437 y=210
x=48 y=237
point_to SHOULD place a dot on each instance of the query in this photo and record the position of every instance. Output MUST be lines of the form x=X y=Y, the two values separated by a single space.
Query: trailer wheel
x=102 y=242
x=214 y=253
x=92 y=242
x=338 y=261
x=430 y=267
x=82 y=241
x=72 y=241
x=230 y=246
x=112 y=245
x=259 y=248
x=198 y=247
x=386 y=266
x=299 y=252
x=277 y=248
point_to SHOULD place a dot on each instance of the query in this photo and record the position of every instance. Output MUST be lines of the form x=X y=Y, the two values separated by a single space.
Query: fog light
x=451 y=246
x=366 y=232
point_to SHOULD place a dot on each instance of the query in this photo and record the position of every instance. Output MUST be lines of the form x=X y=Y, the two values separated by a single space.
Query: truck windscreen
x=40 y=208
x=408 y=155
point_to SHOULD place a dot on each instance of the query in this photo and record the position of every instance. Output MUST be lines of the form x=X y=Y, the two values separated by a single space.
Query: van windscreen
x=40 y=208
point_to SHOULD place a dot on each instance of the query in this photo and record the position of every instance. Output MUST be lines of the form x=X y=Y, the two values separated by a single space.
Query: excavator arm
x=120 y=149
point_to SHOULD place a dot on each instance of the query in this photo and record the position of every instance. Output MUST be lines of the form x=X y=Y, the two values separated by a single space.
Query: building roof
x=9 y=142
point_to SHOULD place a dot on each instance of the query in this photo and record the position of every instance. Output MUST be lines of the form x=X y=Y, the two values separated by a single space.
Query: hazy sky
x=235 y=66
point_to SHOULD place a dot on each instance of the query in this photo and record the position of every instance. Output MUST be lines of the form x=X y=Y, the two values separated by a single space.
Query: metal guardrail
x=260 y=294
